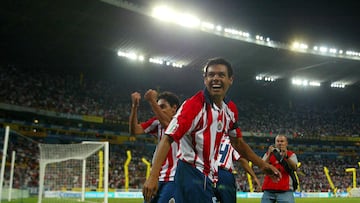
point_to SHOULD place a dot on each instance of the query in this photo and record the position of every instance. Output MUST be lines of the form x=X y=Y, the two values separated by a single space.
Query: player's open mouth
x=217 y=86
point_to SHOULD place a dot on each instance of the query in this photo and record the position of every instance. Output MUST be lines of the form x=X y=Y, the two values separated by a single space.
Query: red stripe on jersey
x=207 y=142
x=198 y=126
x=168 y=168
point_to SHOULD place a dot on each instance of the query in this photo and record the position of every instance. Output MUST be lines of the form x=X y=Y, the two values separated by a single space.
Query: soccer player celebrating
x=199 y=125
x=164 y=107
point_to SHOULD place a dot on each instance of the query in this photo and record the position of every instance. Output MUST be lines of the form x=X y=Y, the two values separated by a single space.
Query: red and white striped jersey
x=167 y=172
x=199 y=126
x=227 y=154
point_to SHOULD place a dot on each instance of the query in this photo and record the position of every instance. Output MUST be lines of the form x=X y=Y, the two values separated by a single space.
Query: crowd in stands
x=75 y=94
x=311 y=172
x=300 y=120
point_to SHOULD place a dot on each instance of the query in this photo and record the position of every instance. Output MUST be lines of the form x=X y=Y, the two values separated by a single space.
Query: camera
x=276 y=150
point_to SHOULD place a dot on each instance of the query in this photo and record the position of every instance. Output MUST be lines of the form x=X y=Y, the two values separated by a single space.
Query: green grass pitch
x=252 y=200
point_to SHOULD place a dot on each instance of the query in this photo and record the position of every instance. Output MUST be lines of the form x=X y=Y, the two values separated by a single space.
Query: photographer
x=286 y=162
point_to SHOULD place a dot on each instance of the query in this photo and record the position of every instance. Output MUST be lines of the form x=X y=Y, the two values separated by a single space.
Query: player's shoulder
x=232 y=105
x=197 y=99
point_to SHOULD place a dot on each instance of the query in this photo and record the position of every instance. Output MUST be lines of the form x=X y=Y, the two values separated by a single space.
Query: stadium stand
x=41 y=106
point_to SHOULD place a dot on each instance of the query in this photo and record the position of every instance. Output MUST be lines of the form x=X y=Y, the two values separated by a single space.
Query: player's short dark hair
x=219 y=61
x=170 y=97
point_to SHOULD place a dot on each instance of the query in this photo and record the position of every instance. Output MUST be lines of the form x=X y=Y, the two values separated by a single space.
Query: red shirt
x=285 y=183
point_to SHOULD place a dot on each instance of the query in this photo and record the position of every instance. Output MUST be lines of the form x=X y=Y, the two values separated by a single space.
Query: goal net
x=354 y=192
x=73 y=172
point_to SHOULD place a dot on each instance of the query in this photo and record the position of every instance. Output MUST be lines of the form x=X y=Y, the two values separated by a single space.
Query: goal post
x=70 y=170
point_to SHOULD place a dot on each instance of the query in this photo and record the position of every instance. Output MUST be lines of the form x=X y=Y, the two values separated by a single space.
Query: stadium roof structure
x=90 y=33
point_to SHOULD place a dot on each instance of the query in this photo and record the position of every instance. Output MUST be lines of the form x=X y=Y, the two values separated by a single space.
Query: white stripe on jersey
x=167 y=172
x=227 y=154
x=199 y=127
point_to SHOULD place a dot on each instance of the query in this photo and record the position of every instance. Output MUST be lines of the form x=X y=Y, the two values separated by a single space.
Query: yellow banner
x=94 y=119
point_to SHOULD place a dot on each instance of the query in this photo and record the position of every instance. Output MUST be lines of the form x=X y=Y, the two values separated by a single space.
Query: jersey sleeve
x=150 y=126
x=184 y=119
x=234 y=129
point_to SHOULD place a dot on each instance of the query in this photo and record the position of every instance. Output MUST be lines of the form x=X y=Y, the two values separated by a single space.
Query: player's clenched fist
x=135 y=99
x=150 y=188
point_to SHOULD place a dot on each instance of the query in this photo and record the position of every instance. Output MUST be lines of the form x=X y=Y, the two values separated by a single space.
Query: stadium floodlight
x=352 y=53
x=259 y=37
x=315 y=83
x=323 y=49
x=177 y=65
x=232 y=31
x=265 y=78
x=299 y=46
x=141 y=58
x=333 y=50
x=207 y=26
x=168 y=14
x=130 y=55
x=187 y=20
x=156 y=61
x=163 y=13
x=246 y=34
x=338 y=85
x=305 y=82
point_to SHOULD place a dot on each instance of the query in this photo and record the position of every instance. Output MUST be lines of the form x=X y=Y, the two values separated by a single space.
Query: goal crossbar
x=55 y=153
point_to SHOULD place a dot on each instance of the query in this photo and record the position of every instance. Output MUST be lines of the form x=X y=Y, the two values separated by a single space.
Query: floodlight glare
x=323 y=49
x=314 y=83
x=338 y=85
x=265 y=78
x=295 y=45
x=332 y=50
x=177 y=65
x=132 y=56
x=296 y=82
x=303 y=46
x=299 y=46
x=232 y=31
x=207 y=25
x=166 y=13
x=156 y=61
x=163 y=13
x=141 y=58
x=187 y=20
x=246 y=34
